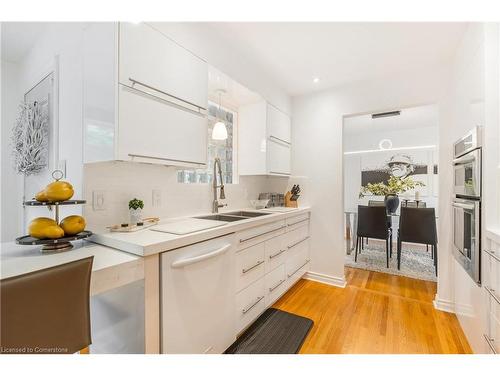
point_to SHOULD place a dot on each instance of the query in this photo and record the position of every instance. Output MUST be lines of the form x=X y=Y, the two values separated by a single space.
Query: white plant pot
x=135 y=215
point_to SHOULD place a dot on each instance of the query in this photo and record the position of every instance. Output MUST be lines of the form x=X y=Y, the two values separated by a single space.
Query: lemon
x=41 y=196
x=72 y=225
x=43 y=227
x=58 y=191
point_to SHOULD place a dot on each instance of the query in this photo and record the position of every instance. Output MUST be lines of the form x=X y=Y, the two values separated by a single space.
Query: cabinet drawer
x=297 y=235
x=278 y=124
x=155 y=131
x=297 y=263
x=275 y=282
x=494 y=333
x=250 y=265
x=250 y=303
x=259 y=234
x=275 y=252
x=278 y=157
x=299 y=219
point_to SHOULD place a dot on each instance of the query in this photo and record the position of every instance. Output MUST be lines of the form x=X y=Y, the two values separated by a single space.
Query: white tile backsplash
x=122 y=181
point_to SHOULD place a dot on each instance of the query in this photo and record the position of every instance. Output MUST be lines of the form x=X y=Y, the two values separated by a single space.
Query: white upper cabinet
x=265 y=140
x=153 y=96
x=154 y=130
x=151 y=60
x=278 y=125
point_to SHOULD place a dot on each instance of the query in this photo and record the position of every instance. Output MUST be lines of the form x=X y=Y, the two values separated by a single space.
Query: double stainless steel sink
x=233 y=216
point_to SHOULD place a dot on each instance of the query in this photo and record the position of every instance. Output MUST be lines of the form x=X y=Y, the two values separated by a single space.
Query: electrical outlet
x=156 y=198
x=98 y=200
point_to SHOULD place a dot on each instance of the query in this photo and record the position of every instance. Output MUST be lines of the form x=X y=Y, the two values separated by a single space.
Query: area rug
x=416 y=262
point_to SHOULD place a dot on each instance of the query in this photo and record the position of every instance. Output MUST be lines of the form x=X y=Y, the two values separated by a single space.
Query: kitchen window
x=225 y=150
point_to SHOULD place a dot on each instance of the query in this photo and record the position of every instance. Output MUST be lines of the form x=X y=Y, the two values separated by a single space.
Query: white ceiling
x=339 y=53
x=19 y=37
x=410 y=118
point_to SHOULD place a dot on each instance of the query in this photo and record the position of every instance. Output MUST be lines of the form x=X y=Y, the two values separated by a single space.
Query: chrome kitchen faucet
x=216 y=205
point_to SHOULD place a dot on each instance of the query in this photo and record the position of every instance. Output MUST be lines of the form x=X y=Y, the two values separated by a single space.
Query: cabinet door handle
x=490 y=342
x=136 y=82
x=199 y=258
x=166 y=159
x=261 y=234
x=279 y=139
x=277 y=285
x=245 y=270
x=298 y=242
x=297 y=222
x=297 y=270
x=247 y=309
x=492 y=294
x=277 y=254
x=492 y=254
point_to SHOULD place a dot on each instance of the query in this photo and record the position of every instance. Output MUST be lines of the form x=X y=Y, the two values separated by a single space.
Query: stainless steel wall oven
x=467 y=203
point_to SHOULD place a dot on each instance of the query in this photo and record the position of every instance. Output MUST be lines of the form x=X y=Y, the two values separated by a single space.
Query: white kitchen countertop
x=148 y=242
x=110 y=269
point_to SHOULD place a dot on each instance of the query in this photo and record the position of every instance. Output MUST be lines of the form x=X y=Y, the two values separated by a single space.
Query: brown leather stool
x=47 y=311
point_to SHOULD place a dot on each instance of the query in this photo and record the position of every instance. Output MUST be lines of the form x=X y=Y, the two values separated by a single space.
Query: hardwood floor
x=374 y=313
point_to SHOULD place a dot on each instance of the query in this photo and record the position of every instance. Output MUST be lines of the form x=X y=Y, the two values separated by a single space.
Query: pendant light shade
x=219 y=131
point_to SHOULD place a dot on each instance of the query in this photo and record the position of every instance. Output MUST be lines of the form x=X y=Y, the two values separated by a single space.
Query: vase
x=135 y=216
x=391 y=203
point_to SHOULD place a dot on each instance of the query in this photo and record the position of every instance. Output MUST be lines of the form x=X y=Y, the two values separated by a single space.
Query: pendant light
x=219 y=131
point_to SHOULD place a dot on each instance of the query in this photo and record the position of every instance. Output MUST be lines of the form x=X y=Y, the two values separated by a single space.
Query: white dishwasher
x=197 y=304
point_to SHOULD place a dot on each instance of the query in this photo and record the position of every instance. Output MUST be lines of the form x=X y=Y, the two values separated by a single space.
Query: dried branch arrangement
x=30 y=139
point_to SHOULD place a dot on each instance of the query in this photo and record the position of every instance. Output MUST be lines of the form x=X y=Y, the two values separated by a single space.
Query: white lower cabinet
x=197 y=297
x=276 y=282
x=250 y=303
x=213 y=290
x=284 y=247
x=250 y=265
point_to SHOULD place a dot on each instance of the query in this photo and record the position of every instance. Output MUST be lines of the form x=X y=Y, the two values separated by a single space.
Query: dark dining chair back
x=418 y=225
x=47 y=311
x=415 y=204
x=372 y=223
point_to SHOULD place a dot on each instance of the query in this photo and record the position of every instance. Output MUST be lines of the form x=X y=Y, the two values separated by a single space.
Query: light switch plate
x=98 y=200
x=156 y=198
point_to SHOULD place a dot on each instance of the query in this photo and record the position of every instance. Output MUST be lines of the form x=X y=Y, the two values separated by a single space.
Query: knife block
x=288 y=202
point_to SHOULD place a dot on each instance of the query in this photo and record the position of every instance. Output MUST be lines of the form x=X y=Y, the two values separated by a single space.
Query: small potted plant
x=135 y=207
x=390 y=190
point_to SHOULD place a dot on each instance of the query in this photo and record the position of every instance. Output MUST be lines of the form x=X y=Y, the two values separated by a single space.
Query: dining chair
x=373 y=203
x=47 y=311
x=417 y=225
x=419 y=204
x=372 y=223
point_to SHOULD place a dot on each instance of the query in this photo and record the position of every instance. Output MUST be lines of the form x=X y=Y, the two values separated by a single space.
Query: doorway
x=387 y=148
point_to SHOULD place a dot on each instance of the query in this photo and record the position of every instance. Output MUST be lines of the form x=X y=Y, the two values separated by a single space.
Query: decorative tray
x=62 y=203
x=58 y=244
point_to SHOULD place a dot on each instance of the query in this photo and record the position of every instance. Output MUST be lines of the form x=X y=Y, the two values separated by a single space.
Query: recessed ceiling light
x=315 y=79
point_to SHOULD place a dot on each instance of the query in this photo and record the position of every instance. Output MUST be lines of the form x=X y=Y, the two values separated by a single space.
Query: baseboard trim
x=443 y=305
x=339 y=282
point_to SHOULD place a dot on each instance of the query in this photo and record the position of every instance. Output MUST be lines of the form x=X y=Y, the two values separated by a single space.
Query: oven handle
x=463 y=205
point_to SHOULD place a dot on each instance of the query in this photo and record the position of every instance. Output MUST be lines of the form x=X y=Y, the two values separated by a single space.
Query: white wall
x=59 y=45
x=318 y=151
x=11 y=195
x=123 y=181
x=472 y=99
